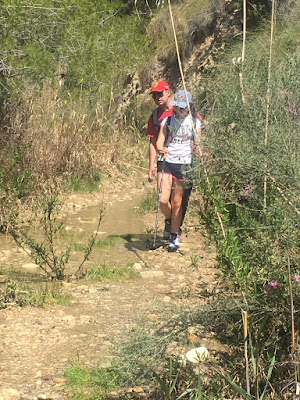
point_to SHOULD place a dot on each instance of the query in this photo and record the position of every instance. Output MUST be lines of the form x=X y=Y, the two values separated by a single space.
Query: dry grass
x=59 y=136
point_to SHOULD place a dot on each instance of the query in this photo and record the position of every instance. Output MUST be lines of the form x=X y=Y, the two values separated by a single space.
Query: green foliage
x=149 y=201
x=13 y=176
x=238 y=161
x=46 y=252
x=168 y=386
x=105 y=272
x=79 y=40
x=254 y=240
x=83 y=184
x=90 y=384
x=37 y=296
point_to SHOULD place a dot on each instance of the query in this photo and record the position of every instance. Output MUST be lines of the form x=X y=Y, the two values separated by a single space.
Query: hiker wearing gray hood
x=176 y=142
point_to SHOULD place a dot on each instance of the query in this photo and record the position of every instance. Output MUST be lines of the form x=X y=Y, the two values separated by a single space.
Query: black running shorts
x=182 y=172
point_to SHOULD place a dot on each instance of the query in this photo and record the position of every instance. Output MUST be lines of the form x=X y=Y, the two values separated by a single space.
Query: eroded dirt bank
x=37 y=344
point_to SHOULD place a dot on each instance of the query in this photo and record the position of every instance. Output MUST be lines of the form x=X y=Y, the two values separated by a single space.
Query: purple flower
x=246 y=190
x=293 y=110
x=270 y=287
x=296 y=278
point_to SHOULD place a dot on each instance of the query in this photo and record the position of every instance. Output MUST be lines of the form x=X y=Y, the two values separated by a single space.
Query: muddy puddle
x=119 y=239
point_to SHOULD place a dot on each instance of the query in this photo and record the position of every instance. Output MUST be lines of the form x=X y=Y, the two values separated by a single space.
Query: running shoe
x=173 y=243
x=167 y=230
x=179 y=235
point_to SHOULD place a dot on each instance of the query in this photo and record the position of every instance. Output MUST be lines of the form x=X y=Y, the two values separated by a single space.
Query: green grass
x=109 y=241
x=83 y=185
x=110 y=273
x=149 y=201
x=91 y=384
x=37 y=295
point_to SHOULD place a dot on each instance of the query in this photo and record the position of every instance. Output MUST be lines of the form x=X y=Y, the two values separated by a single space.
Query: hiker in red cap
x=161 y=94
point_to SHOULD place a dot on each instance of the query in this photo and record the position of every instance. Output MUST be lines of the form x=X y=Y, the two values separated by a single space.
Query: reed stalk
x=268 y=99
x=293 y=333
x=243 y=49
x=245 y=325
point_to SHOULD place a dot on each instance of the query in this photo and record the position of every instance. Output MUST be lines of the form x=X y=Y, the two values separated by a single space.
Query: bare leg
x=165 y=204
x=176 y=201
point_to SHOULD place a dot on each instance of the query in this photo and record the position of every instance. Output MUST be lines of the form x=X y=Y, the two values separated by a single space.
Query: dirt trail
x=37 y=344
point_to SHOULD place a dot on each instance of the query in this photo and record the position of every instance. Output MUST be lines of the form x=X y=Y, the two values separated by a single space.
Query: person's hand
x=151 y=173
x=163 y=150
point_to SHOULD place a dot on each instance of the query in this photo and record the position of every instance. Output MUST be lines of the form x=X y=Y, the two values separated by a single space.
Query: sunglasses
x=157 y=94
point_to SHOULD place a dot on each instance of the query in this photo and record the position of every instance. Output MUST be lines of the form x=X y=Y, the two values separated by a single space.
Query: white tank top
x=180 y=139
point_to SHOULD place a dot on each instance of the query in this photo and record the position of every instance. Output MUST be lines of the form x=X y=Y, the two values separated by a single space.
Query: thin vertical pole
x=268 y=100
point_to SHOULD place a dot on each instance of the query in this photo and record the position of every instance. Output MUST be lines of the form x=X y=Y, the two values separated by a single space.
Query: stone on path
x=30 y=266
x=137 y=266
x=9 y=394
x=151 y=274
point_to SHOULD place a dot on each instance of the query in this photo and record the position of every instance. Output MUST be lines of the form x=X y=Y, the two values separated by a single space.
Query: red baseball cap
x=159 y=86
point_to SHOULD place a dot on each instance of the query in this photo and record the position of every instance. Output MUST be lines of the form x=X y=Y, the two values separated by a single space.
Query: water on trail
x=121 y=235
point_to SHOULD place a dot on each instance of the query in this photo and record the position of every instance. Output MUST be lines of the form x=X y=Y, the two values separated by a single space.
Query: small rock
x=38 y=382
x=137 y=266
x=30 y=266
x=66 y=284
x=82 y=287
x=3 y=278
x=103 y=288
x=68 y=318
x=60 y=379
x=138 y=389
x=38 y=374
x=152 y=274
x=9 y=394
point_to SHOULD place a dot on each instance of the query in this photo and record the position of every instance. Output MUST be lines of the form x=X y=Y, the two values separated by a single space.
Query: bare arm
x=161 y=140
x=152 y=158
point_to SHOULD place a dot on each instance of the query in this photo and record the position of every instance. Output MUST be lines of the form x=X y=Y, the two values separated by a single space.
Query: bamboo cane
x=293 y=335
x=268 y=99
x=245 y=324
x=244 y=48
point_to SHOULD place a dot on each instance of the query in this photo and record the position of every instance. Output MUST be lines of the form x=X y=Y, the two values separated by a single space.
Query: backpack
x=168 y=123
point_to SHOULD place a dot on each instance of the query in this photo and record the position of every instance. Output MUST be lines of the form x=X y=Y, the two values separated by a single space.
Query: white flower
x=195 y=355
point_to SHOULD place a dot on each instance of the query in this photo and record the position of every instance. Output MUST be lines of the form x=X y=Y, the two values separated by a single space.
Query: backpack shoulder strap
x=167 y=126
x=155 y=117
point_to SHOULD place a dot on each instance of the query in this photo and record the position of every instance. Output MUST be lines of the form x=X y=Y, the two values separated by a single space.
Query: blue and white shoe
x=173 y=242
x=179 y=235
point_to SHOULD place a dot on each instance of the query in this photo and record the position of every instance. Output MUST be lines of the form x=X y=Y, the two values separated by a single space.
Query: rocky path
x=36 y=345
